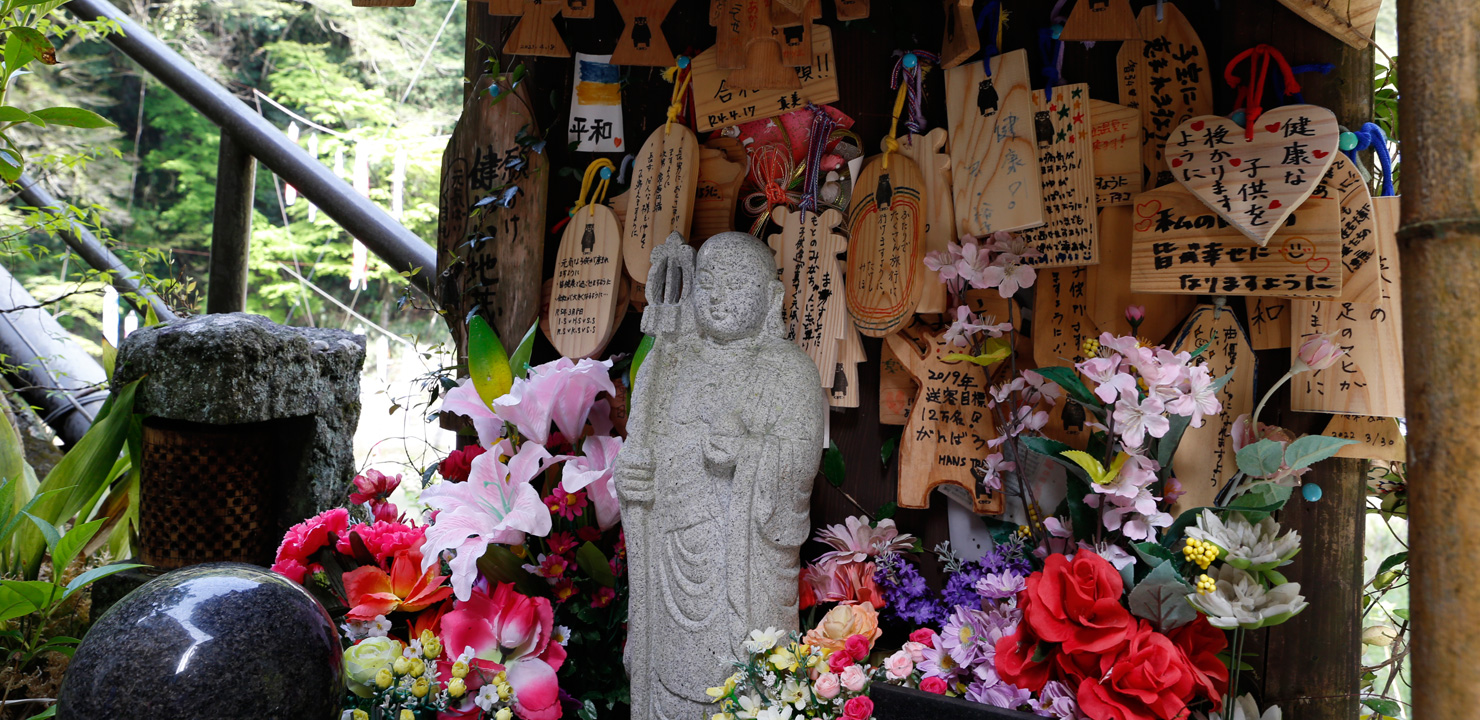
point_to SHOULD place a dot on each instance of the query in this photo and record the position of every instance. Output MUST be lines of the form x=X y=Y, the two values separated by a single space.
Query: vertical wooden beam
x=1440 y=250
x=231 y=227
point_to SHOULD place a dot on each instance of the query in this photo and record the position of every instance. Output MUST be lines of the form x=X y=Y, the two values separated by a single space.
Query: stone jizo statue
x=724 y=438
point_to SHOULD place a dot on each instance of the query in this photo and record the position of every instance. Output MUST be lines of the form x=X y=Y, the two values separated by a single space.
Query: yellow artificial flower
x=401 y=666
x=784 y=659
x=406 y=714
x=459 y=669
x=383 y=679
x=421 y=687
x=418 y=666
x=503 y=714
x=504 y=690
x=359 y=715
x=431 y=647
x=456 y=688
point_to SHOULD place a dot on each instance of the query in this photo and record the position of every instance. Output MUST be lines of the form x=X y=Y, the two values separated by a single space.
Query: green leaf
x=48 y=531
x=1392 y=561
x=1383 y=706
x=95 y=574
x=594 y=563
x=49 y=712
x=519 y=361
x=1068 y=379
x=1153 y=554
x=1401 y=613
x=39 y=593
x=71 y=544
x=488 y=364
x=13 y=604
x=1162 y=599
x=1261 y=459
x=110 y=358
x=72 y=117
x=639 y=355
x=11 y=164
x=1311 y=449
x=887 y=510
x=24 y=44
x=500 y=565
x=995 y=350
x=1166 y=447
x=1173 y=533
x=1081 y=516
x=1045 y=446
x=14 y=114
x=1260 y=500
x=887 y=450
x=832 y=465
x=1041 y=652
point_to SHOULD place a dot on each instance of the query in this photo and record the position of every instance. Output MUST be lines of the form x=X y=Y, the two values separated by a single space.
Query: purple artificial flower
x=1000 y=586
x=938 y=663
x=962 y=635
x=1056 y=701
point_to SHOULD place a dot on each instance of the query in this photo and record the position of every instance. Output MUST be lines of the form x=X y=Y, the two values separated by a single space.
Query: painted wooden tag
x=717 y=191
x=1350 y=21
x=747 y=44
x=1167 y=76
x=1180 y=246
x=1067 y=176
x=897 y=386
x=588 y=270
x=1255 y=184
x=1115 y=140
x=1359 y=277
x=489 y=256
x=1101 y=20
x=1269 y=323
x=886 y=250
x=959 y=41
x=950 y=425
x=995 y=177
x=844 y=390
x=813 y=311
x=536 y=33
x=662 y=195
x=1061 y=324
x=793 y=29
x=1110 y=285
x=851 y=9
x=1378 y=438
x=642 y=41
x=720 y=102
x=940 y=221
x=1369 y=381
x=1205 y=459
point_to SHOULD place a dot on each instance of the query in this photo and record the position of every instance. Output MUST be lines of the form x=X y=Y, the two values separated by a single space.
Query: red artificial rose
x=839 y=661
x=1074 y=667
x=859 y=708
x=806 y=596
x=459 y=463
x=1015 y=662
x=857 y=646
x=1148 y=678
x=933 y=685
x=924 y=636
x=1077 y=603
x=1200 y=644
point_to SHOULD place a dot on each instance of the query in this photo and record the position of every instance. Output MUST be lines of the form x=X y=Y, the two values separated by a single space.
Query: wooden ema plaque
x=1269 y=323
x=720 y=102
x=1115 y=141
x=489 y=257
x=793 y=29
x=1096 y=20
x=642 y=41
x=940 y=220
x=1350 y=21
x=1205 y=459
x=1369 y=381
x=535 y=34
x=813 y=311
x=1061 y=324
x=717 y=191
x=661 y=200
x=748 y=44
x=1067 y=179
x=1180 y=246
x=844 y=391
x=959 y=41
x=1110 y=285
x=994 y=174
x=1343 y=183
x=897 y=386
x=1255 y=184
x=886 y=250
x=588 y=269
x=1166 y=76
x=1378 y=438
x=945 y=442
x=851 y=9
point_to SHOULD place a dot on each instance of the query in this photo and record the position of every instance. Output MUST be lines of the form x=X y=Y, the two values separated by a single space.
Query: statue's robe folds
x=716 y=552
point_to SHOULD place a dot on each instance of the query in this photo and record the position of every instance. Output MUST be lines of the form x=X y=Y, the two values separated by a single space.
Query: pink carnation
x=307 y=538
x=383 y=539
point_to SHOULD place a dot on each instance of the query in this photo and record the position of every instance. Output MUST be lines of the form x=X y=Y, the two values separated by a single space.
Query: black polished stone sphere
x=219 y=641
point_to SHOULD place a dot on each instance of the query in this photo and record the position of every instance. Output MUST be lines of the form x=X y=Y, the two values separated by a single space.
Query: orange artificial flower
x=842 y=622
x=372 y=592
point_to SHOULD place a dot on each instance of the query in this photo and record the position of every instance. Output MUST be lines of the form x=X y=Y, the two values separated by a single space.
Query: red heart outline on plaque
x=1304 y=141
x=1152 y=207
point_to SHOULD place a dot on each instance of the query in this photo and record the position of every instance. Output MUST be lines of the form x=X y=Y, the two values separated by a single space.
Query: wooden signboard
x=1343 y=183
x=642 y=41
x=1378 y=438
x=588 y=271
x=1350 y=21
x=959 y=41
x=1255 y=184
x=489 y=256
x=661 y=200
x=1369 y=381
x=1167 y=76
x=1110 y=285
x=1115 y=140
x=1269 y=323
x=994 y=177
x=717 y=191
x=1180 y=246
x=1205 y=459
x=1067 y=178
x=719 y=102
x=950 y=425
x=1101 y=20
x=886 y=249
x=940 y=219
x=813 y=311
x=1061 y=324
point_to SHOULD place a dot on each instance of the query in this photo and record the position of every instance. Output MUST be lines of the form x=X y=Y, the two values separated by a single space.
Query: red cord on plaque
x=1251 y=95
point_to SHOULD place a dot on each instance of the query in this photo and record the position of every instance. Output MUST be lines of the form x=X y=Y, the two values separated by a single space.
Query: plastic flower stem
x=1254 y=419
x=1234 y=665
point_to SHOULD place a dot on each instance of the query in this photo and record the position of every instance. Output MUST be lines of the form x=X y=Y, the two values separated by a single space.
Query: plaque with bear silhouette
x=582 y=314
x=642 y=41
x=994 y=172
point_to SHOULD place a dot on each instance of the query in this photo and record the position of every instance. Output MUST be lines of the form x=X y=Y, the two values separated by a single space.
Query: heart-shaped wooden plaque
x=1255 y=183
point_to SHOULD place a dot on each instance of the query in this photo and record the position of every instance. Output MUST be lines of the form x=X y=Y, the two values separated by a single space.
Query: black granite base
x=892 y=702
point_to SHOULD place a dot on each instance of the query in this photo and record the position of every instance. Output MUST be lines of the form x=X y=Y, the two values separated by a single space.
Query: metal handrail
x=392 y=242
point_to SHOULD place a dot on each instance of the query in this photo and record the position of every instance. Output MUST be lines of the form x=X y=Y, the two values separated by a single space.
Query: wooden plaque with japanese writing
x=661 y=200
x=812 y=310
x=886 y=248
x=1350 y=21
x=1180 y=246
x=642 y=41
x=719 y=103
x=1166 y=75
x=1378 y=438
x=896 y=385
x=950 y=425
x=940 y=220
x=1255 y=179
x=959 y=41
x=1110 y=285
x=844 y=390
x=1205 y=459
x=588 y=269
x=1067 y=176
x=1369 y=380
x=1101 y=20
x=1061 y=324
x=536 y=34
x=748 y=43
x=718 y=190
x=1269 y=323
x=1115 y=140
x=1359 y=277
x=491 y=216
x=995 y=176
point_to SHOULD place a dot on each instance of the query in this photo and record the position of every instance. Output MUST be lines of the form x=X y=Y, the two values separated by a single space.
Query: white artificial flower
x=355 y=631
x=560 y=635
x=413 y=650
x=487 y=697
x=775 y=712
x=795 y=693
x=379 y=627
x=1248 y=546
x=763 y=640
x=1241 y=601
x=750 y=706
x=1379 y=635
x=1244 y=709
x=467 y=655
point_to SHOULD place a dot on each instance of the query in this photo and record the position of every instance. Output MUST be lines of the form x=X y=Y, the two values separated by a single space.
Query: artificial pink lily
x=508 y=632
x=592 y=471
x=562 y=391
x=464 y=400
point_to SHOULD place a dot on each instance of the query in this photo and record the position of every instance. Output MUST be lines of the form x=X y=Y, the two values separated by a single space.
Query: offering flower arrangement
x=506 y=597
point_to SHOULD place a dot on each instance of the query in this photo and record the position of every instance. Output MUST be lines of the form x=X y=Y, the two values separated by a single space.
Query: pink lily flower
x=592 y=471
x=563 y=391
x=464 y=400
x=508 y=632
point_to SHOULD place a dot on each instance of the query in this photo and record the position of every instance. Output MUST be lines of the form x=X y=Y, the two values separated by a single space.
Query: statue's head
x=736 y=291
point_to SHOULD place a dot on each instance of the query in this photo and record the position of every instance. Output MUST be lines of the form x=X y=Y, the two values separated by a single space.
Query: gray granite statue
x=724 y=438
